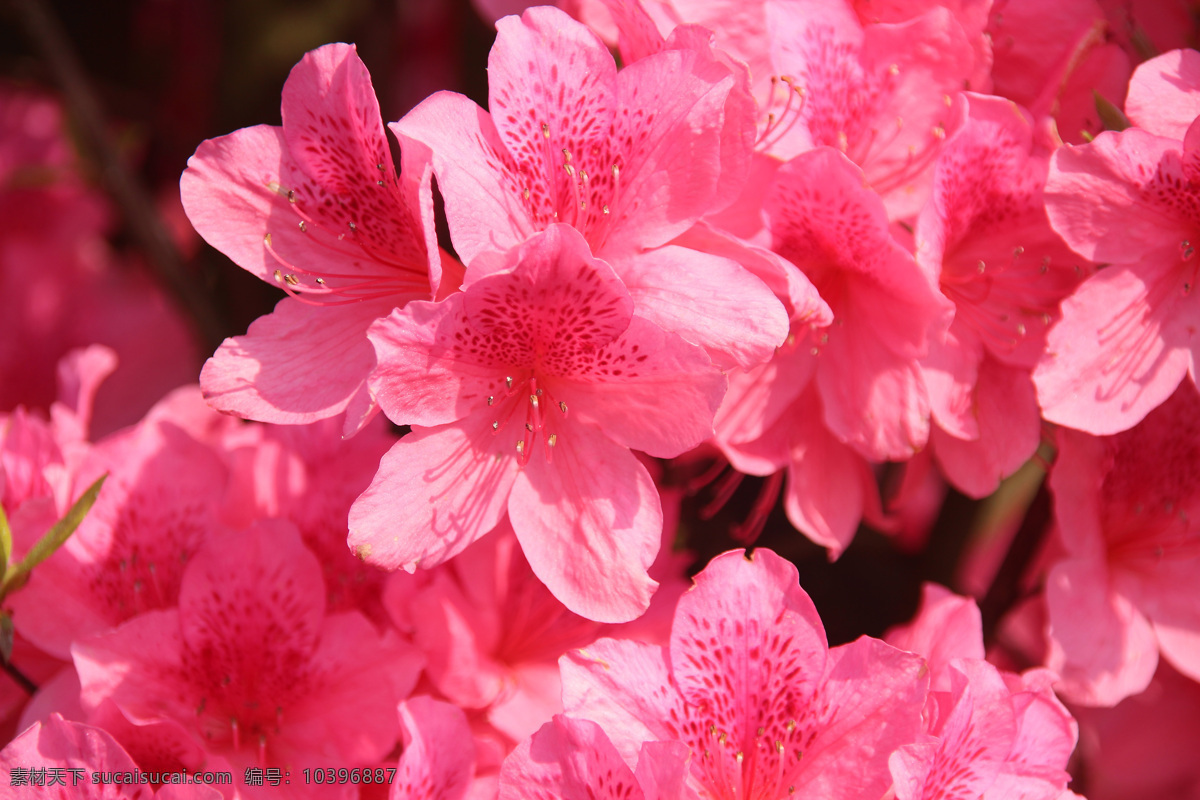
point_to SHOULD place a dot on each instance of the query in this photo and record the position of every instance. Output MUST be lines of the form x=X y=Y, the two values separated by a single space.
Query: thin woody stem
x=20 y=678
x=133 y=200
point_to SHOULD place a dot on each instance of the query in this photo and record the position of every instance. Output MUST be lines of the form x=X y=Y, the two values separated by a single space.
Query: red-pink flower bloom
x=79 y=756
x=1050 y=59
x=878 y=93
x=315 y=207
x=630 y=159
x=749 y=684
x=985 y=233
x=250 y=666
x=158 y=505
x=1130 y=199
x=989 y=734
x=885 y=306
x=1127 y=507
x=527 y=391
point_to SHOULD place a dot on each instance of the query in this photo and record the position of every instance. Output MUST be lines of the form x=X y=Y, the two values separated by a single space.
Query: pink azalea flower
x=315 y=207
x=824 y=220
x=985 y=233
x=749 y=684
x=526 y=392
x=250 y=666
x=631 y=159
x=1128 y=199
x=878 y=93
x=1126 y=507
x=492 y=633
x=128 y=555
x=569 y=759
x=989 y=734
x=56 y=744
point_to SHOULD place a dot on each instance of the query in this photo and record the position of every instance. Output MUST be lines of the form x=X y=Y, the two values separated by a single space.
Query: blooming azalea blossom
x=526 y=392
x=986 y=235
x=989 y=734
x=1129 y=199
x=749 y=684
x=631 y=159
x=885 y=306
x=249 y=666
x=315 y=207
x=1126 y=507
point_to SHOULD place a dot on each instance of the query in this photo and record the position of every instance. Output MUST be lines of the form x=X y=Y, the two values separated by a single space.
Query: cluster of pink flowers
x=804 y=240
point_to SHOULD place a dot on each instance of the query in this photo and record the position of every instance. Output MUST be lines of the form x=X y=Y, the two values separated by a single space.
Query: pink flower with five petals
x=526 y=392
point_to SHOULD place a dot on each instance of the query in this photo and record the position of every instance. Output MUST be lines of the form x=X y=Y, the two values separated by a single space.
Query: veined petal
x=709 y=300
x=590 y=524
x=436 y=491
x=568 y=759
x=1122 y=347
x=1164 y=94
x=296 y=365
x=650 y=391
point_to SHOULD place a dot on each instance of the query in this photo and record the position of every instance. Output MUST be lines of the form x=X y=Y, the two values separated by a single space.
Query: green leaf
x=6 y=637
x=1113 y=118
x=5 y=541
x=15 y=577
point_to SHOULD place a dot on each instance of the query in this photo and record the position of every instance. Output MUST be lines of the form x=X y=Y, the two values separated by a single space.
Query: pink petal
x=869 y=705
x=436 y=491
x=338 y=148
x=1103 y=648
x=226 y=193
x=339 y=720
x=568 y=759
x=1006 y=410
x=625 y=688
x=1164 y=94
x=482 y=189
x=438 y=761
x=659 y=395
x=946 y=626
x=709 y=300
x=746 y=639
x=1120 y=350
x=56 y=743
x=249 y=597
x=1116 y=200
x=590 y=524
x=138 y=667
x=830 y=486
x=433 y=367
x=949 y=373
x=296 y=365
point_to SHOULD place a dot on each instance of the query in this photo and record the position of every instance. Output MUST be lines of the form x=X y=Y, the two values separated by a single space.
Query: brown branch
x=133 y=200
x=19 y=678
